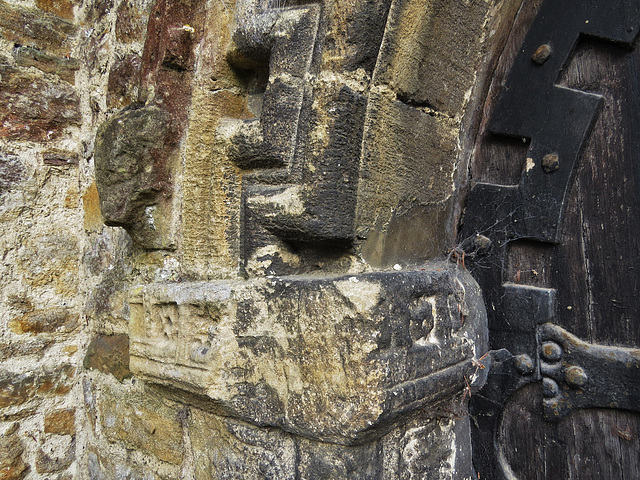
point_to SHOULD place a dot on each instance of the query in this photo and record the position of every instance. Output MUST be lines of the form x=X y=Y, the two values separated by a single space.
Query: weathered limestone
x=330 y=358
x=314 y=153
x=286 y=176
x=421 y=448
x=12 y=465
x=133 y=184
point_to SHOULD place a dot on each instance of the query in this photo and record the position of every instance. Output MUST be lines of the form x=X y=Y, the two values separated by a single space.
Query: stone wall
x=391 y=86
x=65 y=66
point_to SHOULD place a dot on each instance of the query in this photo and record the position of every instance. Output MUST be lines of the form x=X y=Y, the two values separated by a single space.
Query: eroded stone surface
x=227 y=448
x=18 y=389
x=142 y=420
x=12 y=466
x=132 y=175
x=12 y=172
x=332 y=358
x=109 y=354
x=55 y=320
x=35 y=106
x=29 y=26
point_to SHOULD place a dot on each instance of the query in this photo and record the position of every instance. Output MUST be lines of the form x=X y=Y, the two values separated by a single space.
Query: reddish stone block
x=61 y=8
x=35 y=28
x=36 y=346
x=59 y=158
x=34 y=106
x=131 y=23
x=124 y=81
x=61 y=422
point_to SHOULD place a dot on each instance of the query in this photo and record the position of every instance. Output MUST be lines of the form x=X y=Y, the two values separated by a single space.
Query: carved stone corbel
x=339 y=359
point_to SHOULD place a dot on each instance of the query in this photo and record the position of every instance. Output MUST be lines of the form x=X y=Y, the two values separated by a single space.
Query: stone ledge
x=337 y=359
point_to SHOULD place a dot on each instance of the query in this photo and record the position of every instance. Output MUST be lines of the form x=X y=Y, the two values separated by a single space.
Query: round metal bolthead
x=542 y=54
x=550 y=162
x=575 y=377
x=524 y=364
x=551 y=351
x=549 y=388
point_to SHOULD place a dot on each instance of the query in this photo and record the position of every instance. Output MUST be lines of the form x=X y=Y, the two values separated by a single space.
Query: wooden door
x=551 y=231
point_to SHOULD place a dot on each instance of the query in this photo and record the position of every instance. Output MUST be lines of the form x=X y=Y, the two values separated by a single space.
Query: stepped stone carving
x=312 y=189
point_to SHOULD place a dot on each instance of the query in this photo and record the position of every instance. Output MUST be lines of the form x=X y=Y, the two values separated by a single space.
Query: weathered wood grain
x=594 y=267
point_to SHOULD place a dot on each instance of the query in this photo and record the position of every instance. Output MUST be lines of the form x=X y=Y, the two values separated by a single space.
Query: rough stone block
x=131 y=22
x=406 y=178
x=430 y=447
x=143 y=421
x=109 y=354
x=58 y=452
x=98 y=10
x=18 y=389
x=431 y=51
x=35 y=106
x=57 y=157
x=133 y=175
x=35 y=346
x=12 y=466
x=226 y=448
x=52 y=261
x=63 y=67
x=35 y=28
x=107 y=465
x=333 y=358
x=61 y=422
x=61 y=8
x=12 y=172
x=326 y=460
x=322 y=209
x=53 y=320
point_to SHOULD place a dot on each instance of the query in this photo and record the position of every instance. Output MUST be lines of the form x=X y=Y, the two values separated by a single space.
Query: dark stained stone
x=131 y=22
x=12 y=172
x=124 y=80
x=59 y=158
x=132 y=149
x=109 y=354
x=18 y=389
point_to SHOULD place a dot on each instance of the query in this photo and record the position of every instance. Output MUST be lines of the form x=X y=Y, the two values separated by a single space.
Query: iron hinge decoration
x=576 y=374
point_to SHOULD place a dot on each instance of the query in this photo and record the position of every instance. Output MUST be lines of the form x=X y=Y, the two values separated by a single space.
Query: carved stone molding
x=336 y=359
